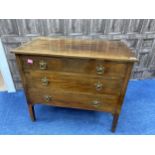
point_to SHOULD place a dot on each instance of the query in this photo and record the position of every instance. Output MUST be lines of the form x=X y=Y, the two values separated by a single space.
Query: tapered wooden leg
x=31 y=111
x=114 y=123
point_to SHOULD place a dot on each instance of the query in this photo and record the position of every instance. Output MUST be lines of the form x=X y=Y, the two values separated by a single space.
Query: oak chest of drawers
x=85 y=74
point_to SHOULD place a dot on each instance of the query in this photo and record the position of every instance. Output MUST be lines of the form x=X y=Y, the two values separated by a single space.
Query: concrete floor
x=2 y=84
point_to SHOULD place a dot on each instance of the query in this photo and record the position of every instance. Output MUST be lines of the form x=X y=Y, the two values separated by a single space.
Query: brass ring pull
x=99 y=86
x=96 y=103
x=44 y=81
x=47 y=98
x=42 y=65
x=100 y=70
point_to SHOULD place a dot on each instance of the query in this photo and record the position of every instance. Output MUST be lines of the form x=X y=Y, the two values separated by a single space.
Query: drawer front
x=73 y=65
x=58 y=81
x=75 y=100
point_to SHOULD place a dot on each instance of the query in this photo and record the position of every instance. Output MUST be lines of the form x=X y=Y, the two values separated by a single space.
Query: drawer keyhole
x=99 y=86
x=44 y=81
x=42 y=65
x=96 y=103
x=47 y=98
x=100 y=69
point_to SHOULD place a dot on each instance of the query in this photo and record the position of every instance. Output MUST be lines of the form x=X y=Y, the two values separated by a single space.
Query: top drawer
x=74 y=65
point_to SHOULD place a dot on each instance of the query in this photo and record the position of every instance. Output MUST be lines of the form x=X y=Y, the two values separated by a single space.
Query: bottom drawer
x=74 y=100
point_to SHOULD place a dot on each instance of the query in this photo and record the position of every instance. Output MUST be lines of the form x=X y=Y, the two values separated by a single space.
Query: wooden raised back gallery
x=75 y=73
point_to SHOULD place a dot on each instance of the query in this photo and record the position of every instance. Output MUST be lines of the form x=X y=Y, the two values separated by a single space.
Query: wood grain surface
x=73 y=82
x=74 y=100
x=71 y=65
x=77 y=48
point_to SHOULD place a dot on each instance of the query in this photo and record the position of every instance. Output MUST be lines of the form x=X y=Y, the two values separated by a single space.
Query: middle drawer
x=72 y=82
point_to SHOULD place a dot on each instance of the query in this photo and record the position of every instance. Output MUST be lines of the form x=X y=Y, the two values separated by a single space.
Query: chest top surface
x=77 y=48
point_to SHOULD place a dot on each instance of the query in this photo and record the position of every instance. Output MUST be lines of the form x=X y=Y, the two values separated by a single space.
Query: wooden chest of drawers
x=83 y=74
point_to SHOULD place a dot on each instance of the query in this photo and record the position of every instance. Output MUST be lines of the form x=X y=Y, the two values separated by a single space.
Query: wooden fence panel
x=138 y=34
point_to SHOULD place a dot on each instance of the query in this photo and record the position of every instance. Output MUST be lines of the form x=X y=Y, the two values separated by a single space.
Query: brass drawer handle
x=47 y=98
x=96 y=103
x=42 y=65
x=100 y=69
x=99 y=86
x=44 y=81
